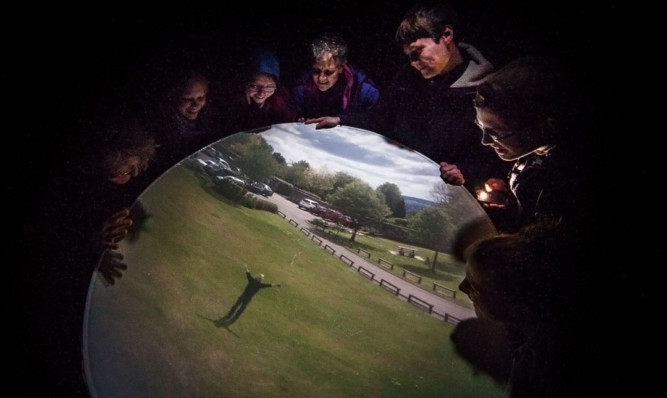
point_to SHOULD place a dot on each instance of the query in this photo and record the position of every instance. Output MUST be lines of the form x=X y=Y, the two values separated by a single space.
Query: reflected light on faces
x=193 y=101
x=260 y=89
x=126 y=169
x=325 y=73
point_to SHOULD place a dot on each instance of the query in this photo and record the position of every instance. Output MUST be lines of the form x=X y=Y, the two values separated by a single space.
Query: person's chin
x=121 y=180
x=504 y=155
x=427 y=73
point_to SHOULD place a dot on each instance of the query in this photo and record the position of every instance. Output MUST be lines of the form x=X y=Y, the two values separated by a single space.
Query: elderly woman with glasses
x=331 y=86
x=522 y=113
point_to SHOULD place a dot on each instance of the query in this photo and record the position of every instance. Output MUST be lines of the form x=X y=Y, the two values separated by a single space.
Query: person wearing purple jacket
x=332 y=86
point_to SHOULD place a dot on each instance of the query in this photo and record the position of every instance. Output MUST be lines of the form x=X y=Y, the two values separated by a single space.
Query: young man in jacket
x=428 y=104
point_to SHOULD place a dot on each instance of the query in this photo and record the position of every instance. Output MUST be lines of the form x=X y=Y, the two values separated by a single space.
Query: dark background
x=60 y=66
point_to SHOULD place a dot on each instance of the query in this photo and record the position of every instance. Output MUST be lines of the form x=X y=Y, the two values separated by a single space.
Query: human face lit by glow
x=430 y=58
x=193 y=100
x=326 y=73
x=509 y=144
x=126 y=167
x=260 y=89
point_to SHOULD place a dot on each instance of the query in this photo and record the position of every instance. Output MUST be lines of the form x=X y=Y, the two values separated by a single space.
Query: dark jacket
x=179 y=137
x=436 y=117
x=243 y=115
x=354 y=91
x=546 y=185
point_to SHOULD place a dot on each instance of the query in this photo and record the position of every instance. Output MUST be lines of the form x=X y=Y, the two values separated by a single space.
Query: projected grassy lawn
x=327 y=332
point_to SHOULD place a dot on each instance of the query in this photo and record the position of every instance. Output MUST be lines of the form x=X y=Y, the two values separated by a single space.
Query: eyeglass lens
x=493 y=134
x=257 y=87
x=326 y=72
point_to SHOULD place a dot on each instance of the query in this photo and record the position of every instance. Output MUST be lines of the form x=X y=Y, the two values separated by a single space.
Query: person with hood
x=264 y=100
x=428 y=104
x=332 y=86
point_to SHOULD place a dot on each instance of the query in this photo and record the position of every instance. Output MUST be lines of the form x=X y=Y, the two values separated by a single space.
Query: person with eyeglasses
x=426 y=105
x=331 y=86
x=265 y=100
x=523 y=111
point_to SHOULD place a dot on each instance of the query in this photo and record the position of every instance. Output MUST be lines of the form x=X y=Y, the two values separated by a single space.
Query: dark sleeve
x=380 y=117
x=545 y=190
x=297 y=98
x=370 y=95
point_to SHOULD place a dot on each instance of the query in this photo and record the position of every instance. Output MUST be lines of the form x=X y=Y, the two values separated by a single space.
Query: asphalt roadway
x=422 y=298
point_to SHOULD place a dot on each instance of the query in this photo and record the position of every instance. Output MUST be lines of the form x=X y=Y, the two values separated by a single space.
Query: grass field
x=327 y=332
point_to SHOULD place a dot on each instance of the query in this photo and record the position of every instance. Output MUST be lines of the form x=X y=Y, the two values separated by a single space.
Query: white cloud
x=360 y=153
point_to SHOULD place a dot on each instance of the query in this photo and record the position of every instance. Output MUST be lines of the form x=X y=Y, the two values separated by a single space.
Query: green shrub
x=253 y=202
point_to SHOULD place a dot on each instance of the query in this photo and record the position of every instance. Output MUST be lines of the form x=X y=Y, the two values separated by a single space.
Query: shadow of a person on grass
x=219 y=323
x=255 y=284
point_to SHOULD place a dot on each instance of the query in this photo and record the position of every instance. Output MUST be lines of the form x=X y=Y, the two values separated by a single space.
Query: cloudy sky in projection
x=357 y=152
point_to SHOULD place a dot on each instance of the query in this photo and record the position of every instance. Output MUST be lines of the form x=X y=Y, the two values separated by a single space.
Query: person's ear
x=448 y=34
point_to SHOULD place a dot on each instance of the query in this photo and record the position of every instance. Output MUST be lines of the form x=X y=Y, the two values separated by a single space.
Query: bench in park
x=406 y=251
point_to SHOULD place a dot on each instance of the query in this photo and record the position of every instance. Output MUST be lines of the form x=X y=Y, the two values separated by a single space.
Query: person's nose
x=486 y=138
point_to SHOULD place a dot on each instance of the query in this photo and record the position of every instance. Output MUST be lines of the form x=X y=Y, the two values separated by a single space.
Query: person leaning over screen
x=426 y=106
x=526 y=114
x=332 y=86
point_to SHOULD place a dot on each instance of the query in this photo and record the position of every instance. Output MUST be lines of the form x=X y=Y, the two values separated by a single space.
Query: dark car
x=216 y=170
x=230 y=180
x=260 y=189
x=212 y=152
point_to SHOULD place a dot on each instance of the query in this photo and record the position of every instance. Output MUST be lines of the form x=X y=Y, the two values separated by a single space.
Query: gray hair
x=329 y=44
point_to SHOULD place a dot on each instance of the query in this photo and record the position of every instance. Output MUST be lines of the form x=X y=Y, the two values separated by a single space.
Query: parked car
x=229 y=180
x=215 y=170
x=222 y=162
x=212 y=152
x=260 y=188
x=308 y=204
x=332 y=215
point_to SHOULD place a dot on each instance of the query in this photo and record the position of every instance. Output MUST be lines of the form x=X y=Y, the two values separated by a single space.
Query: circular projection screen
x=359 y=289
